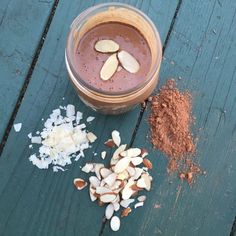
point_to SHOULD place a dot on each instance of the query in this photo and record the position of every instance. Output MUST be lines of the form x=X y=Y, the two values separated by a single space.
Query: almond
x=131 y=152
x=103 y=154
x=139 y=204
x=142 y=198
x=92 y=192
x=137 y=161
x=135 y=188
x=88 y=167
x=138 y=172
x=144 y=152
x=80 y=183
x=128 y=62
x=125 y=212
x=122 y=164
x=110 y=143
x=109 y=211
x=127 y=202
x=116 y=205
x=108 y=197
x=102 y=190
x=105 y=172
x=115 y=223
x=109 y=67
x=97 y=170
x=116 y=137
x=120 y=149
x=94 y=181
x=110 y=179
x=106 y=45
x=147 y=163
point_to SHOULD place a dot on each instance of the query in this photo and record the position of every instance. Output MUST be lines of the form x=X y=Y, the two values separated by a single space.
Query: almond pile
x=111 y=65
x=118 y=184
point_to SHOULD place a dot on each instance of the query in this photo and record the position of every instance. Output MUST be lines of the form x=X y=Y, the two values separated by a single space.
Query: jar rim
x=82 y=17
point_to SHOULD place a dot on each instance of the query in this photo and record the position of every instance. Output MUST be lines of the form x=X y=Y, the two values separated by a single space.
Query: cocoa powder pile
x=171 y=120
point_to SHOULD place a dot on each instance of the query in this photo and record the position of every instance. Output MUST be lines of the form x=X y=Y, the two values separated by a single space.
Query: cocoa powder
x=171 y=120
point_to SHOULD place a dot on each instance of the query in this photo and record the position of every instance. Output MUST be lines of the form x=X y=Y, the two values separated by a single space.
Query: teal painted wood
x=202 y=50
x=47 y=203
x=21 y=26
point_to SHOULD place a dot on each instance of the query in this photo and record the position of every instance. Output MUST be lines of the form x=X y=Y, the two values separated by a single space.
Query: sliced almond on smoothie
x=106 y=45
x=109 y=67
x=128 y=62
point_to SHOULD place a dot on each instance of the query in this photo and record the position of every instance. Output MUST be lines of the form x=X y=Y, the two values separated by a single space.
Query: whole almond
x=106 y=45
x=109 y=67
x=128 y=62
x=147 y=163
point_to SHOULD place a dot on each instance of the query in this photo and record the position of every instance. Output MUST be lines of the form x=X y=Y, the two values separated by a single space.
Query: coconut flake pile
x=62 y=138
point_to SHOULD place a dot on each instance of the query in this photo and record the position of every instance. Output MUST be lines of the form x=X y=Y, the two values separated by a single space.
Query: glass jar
x=122 y=101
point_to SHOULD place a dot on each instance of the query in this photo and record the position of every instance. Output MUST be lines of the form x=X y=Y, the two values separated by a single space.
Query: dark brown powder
x=171 y=120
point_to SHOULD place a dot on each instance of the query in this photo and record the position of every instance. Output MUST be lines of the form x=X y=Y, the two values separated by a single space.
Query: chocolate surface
x=89 y=62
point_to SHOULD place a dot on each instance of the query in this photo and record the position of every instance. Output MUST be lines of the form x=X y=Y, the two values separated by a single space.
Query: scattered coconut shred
x=171 y=120
x=118 y=184
x=62 y=138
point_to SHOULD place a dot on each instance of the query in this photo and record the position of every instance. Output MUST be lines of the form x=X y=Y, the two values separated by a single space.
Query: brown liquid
x=89 y=62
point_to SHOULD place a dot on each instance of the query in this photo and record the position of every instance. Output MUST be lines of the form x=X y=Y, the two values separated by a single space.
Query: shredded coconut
x=17 y=127
x=62 y=139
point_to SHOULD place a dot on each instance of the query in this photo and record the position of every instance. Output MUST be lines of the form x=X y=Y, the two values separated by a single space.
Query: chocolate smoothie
x=89 y=62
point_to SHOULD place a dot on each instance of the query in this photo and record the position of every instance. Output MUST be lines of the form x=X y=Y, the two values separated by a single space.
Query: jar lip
x=83 y=83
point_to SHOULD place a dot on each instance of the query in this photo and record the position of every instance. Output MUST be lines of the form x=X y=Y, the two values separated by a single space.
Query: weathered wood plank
x=47 y=202
x=21 y=27
x=201 y=50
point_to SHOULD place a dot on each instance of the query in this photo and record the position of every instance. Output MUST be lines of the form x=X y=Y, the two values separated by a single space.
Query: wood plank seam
x=143 y=107
x=28 y=77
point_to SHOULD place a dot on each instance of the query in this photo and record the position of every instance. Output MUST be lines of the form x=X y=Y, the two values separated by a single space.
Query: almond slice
x=122 y=164
x=105 y=172
x=147 y=179
x=92 y=192
x=88 y=167
x=80 y=183
x=123 y=175
x=137 y=160
x=138 y=204
x=97 y=170
x=106 y=45
x=109 y=211
x=131 y=152
x=110 y=179
x=142 y=198
x=102 y=190
x=144 y=152
x=131 y=170
x=141 y=183
x=147 y=163
x=108 y=197
x=127 y=202
x=138 y=172
x=103 y=154
x=94 y=181
x=115 y=223
x=125 y=212
x=128 y=62
x=116 y=137
x=120 y=149
x=116 y=205
x=109 y=67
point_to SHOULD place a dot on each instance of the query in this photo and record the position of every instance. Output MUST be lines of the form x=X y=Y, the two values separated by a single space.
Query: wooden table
x=199 y=44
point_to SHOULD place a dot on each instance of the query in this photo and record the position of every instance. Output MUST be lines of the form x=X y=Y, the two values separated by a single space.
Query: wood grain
x=47 y=203
x=201 y=50
x=21 y=27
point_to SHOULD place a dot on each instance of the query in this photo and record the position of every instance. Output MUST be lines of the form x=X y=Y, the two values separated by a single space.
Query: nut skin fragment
x=147 y=163
x=125 y=212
